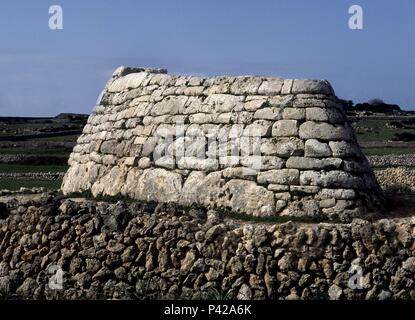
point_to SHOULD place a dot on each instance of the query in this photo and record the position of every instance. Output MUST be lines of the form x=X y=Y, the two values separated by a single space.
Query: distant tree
x=375 y=102
x=349 y=104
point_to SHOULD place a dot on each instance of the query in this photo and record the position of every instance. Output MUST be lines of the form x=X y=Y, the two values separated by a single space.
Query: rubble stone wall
x=259 y=145
x=130 y=251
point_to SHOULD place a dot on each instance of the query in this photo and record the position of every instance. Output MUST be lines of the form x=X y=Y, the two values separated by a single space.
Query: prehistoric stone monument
x=256 y=145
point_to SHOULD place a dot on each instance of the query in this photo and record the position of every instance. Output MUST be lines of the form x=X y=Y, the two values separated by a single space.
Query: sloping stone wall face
x=258 y=145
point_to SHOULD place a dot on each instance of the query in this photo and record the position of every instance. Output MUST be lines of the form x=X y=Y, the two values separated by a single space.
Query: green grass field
x=386 y=151
x=10 y=184
x=49 y=152
x=377 y=130
x=8 y=168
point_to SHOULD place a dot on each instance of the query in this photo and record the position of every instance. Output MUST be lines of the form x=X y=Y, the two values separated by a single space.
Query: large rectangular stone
x=313 y=163
x=324 y=131
x=330 y=179
x=285 y=128
x=282 y=176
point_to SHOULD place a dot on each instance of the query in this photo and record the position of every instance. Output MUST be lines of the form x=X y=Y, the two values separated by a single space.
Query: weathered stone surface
x=324 y=131
x=123 y=250
x=283 y=176
x=159 y=185
x=317 y=149
x=268 y=113
x=293 y=114
x=345 y=149
x=313 y=164
x=170 y=138
x=324 y=115
x=271 y=86
x=312 y=86
x=282 y=147
x=260 y=128
x=247 y=196
x=332 y=179
x=285 y=128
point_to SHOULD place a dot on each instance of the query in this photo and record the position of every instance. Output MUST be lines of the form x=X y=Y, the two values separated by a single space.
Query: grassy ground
x=8 y=168
x=386 y=151
x=17 y=184
x=50 y=152
x=377 y=130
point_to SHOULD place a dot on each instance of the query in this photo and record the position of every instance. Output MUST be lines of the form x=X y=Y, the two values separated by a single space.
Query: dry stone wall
x=257 y=145
x=135 y=250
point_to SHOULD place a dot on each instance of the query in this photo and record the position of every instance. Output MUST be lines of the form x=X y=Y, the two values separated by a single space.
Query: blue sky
x=45 y=72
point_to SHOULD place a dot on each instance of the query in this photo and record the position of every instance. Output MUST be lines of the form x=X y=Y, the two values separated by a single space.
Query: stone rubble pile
x=396 y=177
x=258 y=145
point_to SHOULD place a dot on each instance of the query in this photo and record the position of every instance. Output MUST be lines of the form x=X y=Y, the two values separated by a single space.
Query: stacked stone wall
x=257 y=145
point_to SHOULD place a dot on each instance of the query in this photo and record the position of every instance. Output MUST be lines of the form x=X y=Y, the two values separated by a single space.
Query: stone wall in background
x=257 y=145
x=142 y=251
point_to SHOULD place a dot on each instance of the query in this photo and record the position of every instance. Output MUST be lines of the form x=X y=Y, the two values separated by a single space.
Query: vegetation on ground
x=12 y=184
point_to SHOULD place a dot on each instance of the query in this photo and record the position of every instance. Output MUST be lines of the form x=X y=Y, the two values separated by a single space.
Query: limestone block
x=201 y=118
x=170 y=105
x=286 y=196
x=262 y=162
x=259 y=128
x=194 y=91
x=109 y=147
x=223 y=118
x=293 y=114
x=131 y=182
x=167 y=162
x=287 y=147
x=243 y=117
x=110 y=183
x=144 y=163
x=313 y=163
x=282 y=147
x=255 y=104
x=324 y=115
x=282 y=176
x=278 y=187
x=239 y=173
x=196 y=105
x=170 y=130
x=338 y=194
x=159 y=185
x=149 y=146
x=202 y=188
x=286 y=88
x=268 y=114
x=285 y=128
x=247 y=196
x=245 y=85
x=130 y=81
x=312 y=86
x=324 y=131
x=279 y=205
x=221 y=103
x=330 y=179
x=229 y=161
x=327 y=203
x=317 y=149
x=308 y=101
x=281 y=101
x=304 y=190
x=193 y=163
x=271 y=86
x=301 y=208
